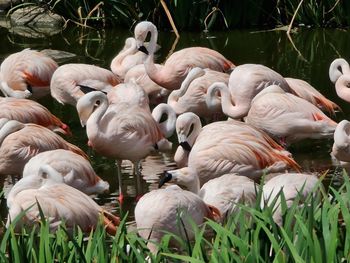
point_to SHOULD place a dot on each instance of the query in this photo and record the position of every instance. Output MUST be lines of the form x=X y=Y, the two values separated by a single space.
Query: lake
x=307 y=57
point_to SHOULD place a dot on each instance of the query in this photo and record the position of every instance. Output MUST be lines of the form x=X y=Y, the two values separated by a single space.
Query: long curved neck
x=229 y=109
x=117 y=61
x=197 y=127
x=8 y=128
x=341 y=134
x=342 y=87
x=338 y=68
x=168 y=126
x=176 y=94
x=8 y=92
x=98 y=113
x=154 y=73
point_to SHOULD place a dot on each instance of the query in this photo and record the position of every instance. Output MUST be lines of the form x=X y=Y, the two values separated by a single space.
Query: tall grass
x=315 y=229
x=201 y=14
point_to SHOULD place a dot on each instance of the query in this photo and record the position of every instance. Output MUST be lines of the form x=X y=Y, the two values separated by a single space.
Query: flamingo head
x=87 y=104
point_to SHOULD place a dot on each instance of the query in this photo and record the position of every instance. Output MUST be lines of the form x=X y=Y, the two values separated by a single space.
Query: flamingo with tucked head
x=26 y=74
x=58 y=202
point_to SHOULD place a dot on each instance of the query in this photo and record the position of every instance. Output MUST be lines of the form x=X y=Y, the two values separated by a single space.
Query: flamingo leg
x=137 y=176
x=119 y=172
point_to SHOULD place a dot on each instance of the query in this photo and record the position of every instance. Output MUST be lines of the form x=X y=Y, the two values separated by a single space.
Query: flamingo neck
x=197 y=127
x=228 y=108
x=341 y=134
x=10 y=127
x=338 y=68
x=8 y=92
x=168 y=126
x=342 y=87
x=118 y=60
x=96 y=116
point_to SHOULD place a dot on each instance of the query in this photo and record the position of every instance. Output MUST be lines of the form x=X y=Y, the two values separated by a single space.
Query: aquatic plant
x=315 y=229
x=204 y=14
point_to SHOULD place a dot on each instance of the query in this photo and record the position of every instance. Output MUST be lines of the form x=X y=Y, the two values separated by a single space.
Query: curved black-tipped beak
x=87 y=89
x=165 y=178
x=143 y=49
x=185 y=145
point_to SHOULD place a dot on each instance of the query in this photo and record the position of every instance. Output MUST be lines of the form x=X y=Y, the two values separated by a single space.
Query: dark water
x=308 y=58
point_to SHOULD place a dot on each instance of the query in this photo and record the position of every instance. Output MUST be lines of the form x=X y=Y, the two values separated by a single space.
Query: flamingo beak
x=143 y=49
x=164 y=179
x=186 y=146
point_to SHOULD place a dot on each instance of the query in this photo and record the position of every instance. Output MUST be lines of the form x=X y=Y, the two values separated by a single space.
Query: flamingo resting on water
x=29 y=111
x=26 y=74
x=192 y=94
x=273 y=109
x=72 y=81
x=75 y=169
x=58 y=202
x=20 y=142
x=230 y=147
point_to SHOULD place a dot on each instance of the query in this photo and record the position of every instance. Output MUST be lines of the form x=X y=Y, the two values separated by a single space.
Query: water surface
x=308 y=57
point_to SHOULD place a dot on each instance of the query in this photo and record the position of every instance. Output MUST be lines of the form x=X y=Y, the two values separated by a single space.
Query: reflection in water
x=272 y=48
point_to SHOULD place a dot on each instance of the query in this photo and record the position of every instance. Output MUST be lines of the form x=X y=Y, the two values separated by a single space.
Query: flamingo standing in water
x=29 y=111
x=192 y=94
x=177 y=66
x=26 y=74
x=20 y=142
x=159 y=211
x=58 y=202
x=120 y=131
x=72 y=81
x=75 y=169
x=293 y=186
x=230 y=147
x=273 y=109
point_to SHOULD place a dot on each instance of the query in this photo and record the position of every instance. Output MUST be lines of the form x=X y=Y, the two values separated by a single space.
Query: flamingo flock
x=218 y=163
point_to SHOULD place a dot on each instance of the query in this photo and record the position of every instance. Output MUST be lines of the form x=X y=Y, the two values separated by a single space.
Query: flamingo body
x=26 y=74
x=67 y=80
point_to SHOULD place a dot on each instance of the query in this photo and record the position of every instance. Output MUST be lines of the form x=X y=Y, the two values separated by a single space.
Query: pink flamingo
x=29 y=111
x=26 y=74
x=120 y=131
x=159 y=211
x=307 y=92
x=20 y=142
x=72 y=81
x=245 y=82
x=155 y=92
x=177 y=66
x=338 y=68
x=230 y=147
x=293 y=185
x=75 y=169
x=273 y=109
x=341 y=145
x=192 y=94
x=58 y=202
